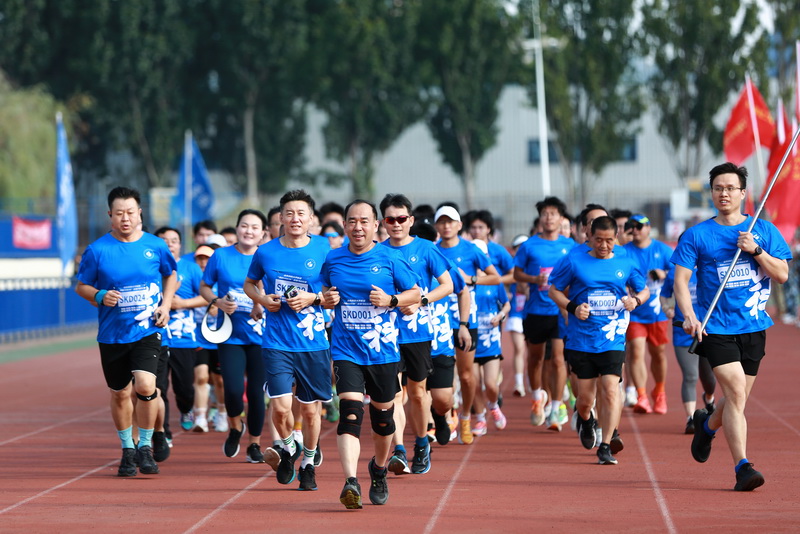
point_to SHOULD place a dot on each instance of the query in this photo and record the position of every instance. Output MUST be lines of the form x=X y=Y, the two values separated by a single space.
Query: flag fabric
x=201 y=194
x=780 y=143
x=785 y=196
x=30 y=234
x=745 y=123
x=66 y=212
x=797 y=80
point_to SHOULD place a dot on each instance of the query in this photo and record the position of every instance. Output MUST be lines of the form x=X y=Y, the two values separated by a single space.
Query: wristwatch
x=463 y=323
x=757 y=251
x=393 y=302
x=424 y=300
x=474 y=279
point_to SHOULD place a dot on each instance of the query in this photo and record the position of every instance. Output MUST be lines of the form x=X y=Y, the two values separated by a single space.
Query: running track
x=59 y=454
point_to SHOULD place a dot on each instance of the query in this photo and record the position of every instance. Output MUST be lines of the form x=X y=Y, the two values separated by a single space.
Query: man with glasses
x=648 y=327
x=735 y=337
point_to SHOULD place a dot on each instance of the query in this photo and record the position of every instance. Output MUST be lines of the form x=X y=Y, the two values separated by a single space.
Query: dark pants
x=181 y=365
x=235 y=361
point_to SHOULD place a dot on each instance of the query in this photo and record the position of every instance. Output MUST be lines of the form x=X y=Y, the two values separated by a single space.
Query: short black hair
x=604 y=222
x=124 y=193
x=296 y=195
x=395 y=200
x=333 y=225
x=617 y=213
x=728 y=168
x=361 y=201
x=485 y=216
x=552 y=202
x=272 y=211
x=257 y=213
x=206 y=225
x=585 y=211
x=424 y=213
x=423 y=230
x=331 y=207
x=228 y=230
x=164 y=229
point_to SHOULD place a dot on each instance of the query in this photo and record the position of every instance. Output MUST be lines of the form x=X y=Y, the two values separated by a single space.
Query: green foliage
x=700 y=59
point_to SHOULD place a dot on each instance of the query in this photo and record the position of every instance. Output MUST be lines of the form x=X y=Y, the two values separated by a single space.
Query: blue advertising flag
x=201 y=195
x=66 y=213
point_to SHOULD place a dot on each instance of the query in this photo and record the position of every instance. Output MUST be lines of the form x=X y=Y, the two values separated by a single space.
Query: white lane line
x=660 y=500
x=446 y=495
x=780 y=419
x=56 y=425
x=54 y=488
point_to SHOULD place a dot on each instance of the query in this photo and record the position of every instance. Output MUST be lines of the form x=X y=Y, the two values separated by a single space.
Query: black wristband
x=393 y=302
x=638 y=300
x=572 y=306
x=463 y=323
x=213 y=301
x=318 y=299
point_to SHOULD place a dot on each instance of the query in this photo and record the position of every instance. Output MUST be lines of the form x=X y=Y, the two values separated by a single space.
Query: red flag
x=783 y=200
x=797 y=80
x=738 y=141
x=31 y=234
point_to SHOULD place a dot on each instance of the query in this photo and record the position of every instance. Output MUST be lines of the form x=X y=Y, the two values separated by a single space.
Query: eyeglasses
x=729 y=189
x=401 y=219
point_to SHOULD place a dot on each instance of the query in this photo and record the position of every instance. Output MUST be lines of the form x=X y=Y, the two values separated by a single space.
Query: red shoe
x=642 y=405
x=660 y=403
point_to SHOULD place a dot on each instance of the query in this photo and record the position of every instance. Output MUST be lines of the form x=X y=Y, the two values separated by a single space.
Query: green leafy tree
x=469 y=50
x=700 y=59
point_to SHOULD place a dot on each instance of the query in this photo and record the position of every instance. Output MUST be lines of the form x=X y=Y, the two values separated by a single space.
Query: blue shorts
x=309 y=371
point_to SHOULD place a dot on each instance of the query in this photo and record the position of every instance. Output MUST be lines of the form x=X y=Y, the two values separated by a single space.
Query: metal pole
x=187 y=186
x=544 y=148
x=721 y=287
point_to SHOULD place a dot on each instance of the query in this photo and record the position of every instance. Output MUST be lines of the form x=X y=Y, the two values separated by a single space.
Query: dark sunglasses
x=401 y=219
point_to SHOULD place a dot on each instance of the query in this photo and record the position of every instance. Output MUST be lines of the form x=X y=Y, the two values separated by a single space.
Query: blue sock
x=708 y=430
x=421 y=442
x=400 y=448
x=126 y=437
x=146 y=437
x=740 y=464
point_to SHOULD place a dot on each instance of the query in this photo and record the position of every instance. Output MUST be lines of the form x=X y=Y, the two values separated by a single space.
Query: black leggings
x=235 y=361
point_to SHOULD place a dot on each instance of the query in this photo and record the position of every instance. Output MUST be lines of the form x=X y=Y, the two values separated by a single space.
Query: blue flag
x=201 y=195
x=66 y=213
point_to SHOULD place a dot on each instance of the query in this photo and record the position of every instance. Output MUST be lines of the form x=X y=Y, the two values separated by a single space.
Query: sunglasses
x=401 y=219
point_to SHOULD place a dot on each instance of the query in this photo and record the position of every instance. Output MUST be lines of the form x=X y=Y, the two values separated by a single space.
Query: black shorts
x=485 y=359
x=120 y=360
x=540 y=328
x=473 y=333
x=162 y=373
x=748 y=349
x=378 y=381
x=587 y=365
x=415 y=360
x=443 y=373
x=201 y=357
x=213 y=361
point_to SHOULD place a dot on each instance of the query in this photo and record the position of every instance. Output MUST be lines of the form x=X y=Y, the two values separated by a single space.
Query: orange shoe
x=465 y=437
x=643 y=405
x=660 y=403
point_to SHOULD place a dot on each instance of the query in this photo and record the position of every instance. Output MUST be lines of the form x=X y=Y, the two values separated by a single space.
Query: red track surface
x=59 y=454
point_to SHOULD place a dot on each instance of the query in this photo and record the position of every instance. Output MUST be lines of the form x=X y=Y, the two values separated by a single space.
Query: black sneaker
x=231 y=445
x=160 y=447
x=710 y=406
x=689 y=426
x=586 y=431
x=308 y=479
x=421 y=463
x=127 y=465
x=144 y=457
x=442 y=432
x=748 y=479
x=701 y=442
x=286 y=472
x=604 y=456
x=254 y=455
x=318 y=456
x=351 y=494
x=616 y=443
x=379 y=489
x=398 y=463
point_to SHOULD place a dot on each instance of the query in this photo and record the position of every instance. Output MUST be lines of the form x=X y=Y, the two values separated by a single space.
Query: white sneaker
x=598 y=436
x=573 y=421
x=631 y=397
x=221 y=422
x=200 y=424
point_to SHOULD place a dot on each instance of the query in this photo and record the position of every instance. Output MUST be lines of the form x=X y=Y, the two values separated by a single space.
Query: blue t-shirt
x=441 y=318
x=182 y=328
x=363 y=333
x=227 y=268
x=602 y=283
x=490 y=300
x=710 y=246
x=279 y=268
x=500 y=257
x=135 y=270
x=469 y=258
x=679 y=337
x=427 y=262
x=518 y=301
x=655 y=256
x=538 y=256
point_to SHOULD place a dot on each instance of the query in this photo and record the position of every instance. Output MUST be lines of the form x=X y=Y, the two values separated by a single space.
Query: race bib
x=603 y=303
x=359 y=317
x=243 y=302
x=546 y=272
x=137 y=298
x=282 y=285
x=741 y=276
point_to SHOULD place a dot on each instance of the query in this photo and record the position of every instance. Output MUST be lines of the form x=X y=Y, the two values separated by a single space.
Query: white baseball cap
x=216 y=239
x=520 y=239
x=447 y=211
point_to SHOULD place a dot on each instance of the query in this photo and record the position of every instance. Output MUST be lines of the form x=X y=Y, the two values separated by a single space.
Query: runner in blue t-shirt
x=241 y=353
x=372 y=282
x=493 y=308
x=130 y=276
x=518 y=293
x=534 y=262
x=735 y=336
x=692 y=366
x=481 y=227
x=295 y=345
x=597 y=283
x=416 y=333
x=476 y=269
x=201 y=231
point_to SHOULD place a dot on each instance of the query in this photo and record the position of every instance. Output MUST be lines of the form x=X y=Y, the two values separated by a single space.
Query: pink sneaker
x=642 y=405
x=479 y=429
x=499 y=419
x=660 y=403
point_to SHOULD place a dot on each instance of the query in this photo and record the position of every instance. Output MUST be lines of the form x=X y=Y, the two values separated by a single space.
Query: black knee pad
x=382 y=420
x=147 y=398
x=350 y=426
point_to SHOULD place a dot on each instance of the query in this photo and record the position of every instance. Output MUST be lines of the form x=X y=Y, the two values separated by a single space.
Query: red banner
x=32 y=235
x=738 y=141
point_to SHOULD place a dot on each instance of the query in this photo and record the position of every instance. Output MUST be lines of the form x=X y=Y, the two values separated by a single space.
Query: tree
x=469 y=51
x=363 y=52
x=593 y=96
x=700 y=58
